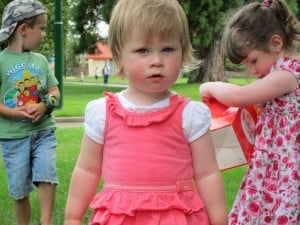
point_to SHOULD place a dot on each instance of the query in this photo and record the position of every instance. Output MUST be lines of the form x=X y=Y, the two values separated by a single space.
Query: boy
x=28 y=95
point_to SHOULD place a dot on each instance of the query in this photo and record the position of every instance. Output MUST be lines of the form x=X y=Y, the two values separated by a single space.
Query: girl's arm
x=269 y=87
x=84 y=182
x=208 y=179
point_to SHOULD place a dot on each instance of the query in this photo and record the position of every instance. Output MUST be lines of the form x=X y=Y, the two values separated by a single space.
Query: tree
x=86 y=16
x=206 y=20
x=206 y=23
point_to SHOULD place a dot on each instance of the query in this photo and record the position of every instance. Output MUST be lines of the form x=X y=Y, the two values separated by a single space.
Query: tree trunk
x=213 y=66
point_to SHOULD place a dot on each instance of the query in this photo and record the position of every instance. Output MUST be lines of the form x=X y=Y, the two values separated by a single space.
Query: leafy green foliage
x=47 y=47
x=206 y=20
x=87 y=14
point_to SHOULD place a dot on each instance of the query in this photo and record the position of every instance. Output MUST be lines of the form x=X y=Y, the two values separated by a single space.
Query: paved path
x=69 y=122
x=97 y=84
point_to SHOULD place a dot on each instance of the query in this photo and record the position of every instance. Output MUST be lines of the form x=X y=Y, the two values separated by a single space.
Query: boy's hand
x=36 y=111
x=21 y=113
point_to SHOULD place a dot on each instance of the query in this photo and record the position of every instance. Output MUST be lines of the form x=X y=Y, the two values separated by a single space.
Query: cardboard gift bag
x=233 y=132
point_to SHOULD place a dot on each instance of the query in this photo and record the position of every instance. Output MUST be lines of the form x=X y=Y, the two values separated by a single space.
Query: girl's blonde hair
x=254 y=24
x=151 y=17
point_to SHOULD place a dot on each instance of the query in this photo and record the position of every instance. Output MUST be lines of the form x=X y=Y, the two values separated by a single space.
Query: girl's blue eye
x=142 y=50
x=168 y=49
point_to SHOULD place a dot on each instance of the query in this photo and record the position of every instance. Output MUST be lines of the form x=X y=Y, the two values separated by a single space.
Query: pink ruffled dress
x=270 y=191
x=147 y=169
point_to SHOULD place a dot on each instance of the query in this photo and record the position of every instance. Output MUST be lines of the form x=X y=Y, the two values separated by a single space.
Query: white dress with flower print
x=270 y=191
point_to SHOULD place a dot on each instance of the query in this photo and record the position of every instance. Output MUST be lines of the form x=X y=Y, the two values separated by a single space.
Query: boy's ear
x=276 y=43
x=22 y=29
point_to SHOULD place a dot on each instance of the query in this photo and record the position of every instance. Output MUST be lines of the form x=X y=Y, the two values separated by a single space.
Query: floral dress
x=270 y=190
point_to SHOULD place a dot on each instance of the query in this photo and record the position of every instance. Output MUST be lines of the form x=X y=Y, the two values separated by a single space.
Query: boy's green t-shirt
x=24 y=78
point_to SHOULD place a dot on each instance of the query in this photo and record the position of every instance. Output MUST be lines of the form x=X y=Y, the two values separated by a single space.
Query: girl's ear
x=119 y=63
x=276 y=43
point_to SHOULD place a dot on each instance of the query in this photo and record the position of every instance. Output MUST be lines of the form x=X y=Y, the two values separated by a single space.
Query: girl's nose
x=252 y=70
x=156 y=59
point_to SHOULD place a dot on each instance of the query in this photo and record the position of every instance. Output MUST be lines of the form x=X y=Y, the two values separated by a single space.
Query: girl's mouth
x=155 y=77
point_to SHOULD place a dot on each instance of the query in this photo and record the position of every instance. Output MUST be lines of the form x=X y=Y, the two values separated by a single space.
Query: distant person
x=262 y=37
x=105 y=72
x=97 y=72
x=27 y=133
x=81 y=77
x=152 y=147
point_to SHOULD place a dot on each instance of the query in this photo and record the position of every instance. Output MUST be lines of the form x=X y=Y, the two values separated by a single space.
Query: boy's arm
x=15 y=113
x=208 y=179
x=54 y=91
x=84 y=182
x=43 y=107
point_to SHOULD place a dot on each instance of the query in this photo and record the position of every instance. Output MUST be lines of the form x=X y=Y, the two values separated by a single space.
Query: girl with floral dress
x=151 y=146
x=261 y=36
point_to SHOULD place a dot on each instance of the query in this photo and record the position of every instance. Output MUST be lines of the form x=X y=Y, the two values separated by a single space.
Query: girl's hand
x=72 y=222
x=204 y=91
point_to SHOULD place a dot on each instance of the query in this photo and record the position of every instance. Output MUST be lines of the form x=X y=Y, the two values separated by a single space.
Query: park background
x=84 y=24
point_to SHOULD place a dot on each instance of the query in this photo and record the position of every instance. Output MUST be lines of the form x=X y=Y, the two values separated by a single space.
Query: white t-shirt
x=196 y=117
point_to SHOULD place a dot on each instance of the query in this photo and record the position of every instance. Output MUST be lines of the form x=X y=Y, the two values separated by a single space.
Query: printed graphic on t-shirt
x=26 y=86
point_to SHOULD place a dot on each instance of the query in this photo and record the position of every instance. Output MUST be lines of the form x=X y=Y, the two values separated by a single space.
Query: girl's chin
x=261 y=76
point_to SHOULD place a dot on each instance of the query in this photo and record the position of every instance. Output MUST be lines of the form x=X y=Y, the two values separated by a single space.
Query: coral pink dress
x=147 y=169
x=270 y=191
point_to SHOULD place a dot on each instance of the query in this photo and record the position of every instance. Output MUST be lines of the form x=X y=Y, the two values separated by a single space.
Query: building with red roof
x=97 y=60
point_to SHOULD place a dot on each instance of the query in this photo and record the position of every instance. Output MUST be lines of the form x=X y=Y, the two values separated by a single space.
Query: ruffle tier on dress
x=181 y=206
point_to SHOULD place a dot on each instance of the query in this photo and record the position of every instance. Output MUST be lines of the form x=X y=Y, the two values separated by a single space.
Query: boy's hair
x=254 y=24
x=19 y=11
x=163 y=17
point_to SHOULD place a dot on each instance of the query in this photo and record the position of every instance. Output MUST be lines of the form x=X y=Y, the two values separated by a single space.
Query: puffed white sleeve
x=196 y=119
x=94 y=120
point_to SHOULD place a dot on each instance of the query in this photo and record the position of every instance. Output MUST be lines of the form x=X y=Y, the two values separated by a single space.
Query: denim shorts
x=29 y=161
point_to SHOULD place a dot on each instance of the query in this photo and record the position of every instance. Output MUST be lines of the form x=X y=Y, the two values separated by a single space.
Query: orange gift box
x=233 y=133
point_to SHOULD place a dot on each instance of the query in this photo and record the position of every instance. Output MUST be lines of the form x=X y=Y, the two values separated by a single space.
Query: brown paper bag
x=233 y=132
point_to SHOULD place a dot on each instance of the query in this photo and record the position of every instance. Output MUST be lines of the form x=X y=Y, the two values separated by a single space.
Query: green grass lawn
x=75 y=98
x=69 y=144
